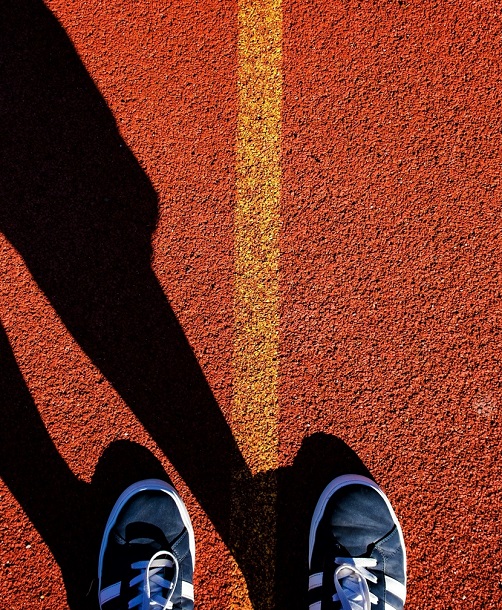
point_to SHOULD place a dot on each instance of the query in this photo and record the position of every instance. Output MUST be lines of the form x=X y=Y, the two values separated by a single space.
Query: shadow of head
x=122 y=464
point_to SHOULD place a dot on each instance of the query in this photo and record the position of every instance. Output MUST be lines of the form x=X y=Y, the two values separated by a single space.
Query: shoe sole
x=334 y=486
x=132 y=490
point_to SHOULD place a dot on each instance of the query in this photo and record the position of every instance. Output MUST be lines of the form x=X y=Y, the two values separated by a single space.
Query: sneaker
x=357 y=559
x=147 y=554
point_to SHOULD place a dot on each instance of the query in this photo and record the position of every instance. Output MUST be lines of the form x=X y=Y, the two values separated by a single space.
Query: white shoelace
x=351 y=584
x=150 y=582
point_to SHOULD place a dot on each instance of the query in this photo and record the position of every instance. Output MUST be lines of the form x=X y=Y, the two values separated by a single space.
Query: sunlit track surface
x=381 y=315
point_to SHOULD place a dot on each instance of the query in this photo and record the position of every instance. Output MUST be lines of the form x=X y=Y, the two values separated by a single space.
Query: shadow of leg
x=52 y=497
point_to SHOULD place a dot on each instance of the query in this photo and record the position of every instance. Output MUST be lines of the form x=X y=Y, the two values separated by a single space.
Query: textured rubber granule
x=118 y=192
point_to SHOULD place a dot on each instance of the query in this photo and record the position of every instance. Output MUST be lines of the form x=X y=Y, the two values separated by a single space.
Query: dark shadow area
x=80 y=210
x=70 y=515
x=288 y=498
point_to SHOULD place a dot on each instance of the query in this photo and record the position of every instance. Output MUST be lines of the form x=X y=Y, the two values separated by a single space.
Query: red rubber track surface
x=119 y=158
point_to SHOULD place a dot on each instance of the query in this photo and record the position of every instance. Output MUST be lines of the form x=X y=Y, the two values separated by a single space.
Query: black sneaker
x=147 y=554
x=357 y=559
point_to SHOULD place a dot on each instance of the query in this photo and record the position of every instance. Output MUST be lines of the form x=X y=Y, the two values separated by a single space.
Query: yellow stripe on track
x=257 y=223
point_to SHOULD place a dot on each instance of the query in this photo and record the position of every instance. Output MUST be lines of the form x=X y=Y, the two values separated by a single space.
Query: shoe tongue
x=145 y=533
x=355 y=545
x=359 y=519
x=138 y=543
x=143 y=541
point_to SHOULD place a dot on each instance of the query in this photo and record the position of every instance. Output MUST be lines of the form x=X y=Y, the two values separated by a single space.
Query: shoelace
x=351 y=582
x=150 y=582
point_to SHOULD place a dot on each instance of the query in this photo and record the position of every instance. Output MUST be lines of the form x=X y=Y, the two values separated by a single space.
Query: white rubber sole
x=335 y=485
x=132 y=490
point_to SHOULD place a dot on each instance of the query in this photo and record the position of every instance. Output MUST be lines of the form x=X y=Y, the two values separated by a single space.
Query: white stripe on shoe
x=187 y=590
x=109 y=593
x=316 y=606
x=395 y=587
x=315 y=580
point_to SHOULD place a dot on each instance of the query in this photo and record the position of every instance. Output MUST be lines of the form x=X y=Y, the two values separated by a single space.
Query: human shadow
x=80 y=210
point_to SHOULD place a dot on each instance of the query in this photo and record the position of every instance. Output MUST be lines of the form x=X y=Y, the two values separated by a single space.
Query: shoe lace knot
x=351 y=582
x=151 y=582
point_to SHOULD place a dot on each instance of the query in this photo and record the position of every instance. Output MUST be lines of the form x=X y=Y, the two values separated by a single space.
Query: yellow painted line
x=257 y=220
x=257 y=223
